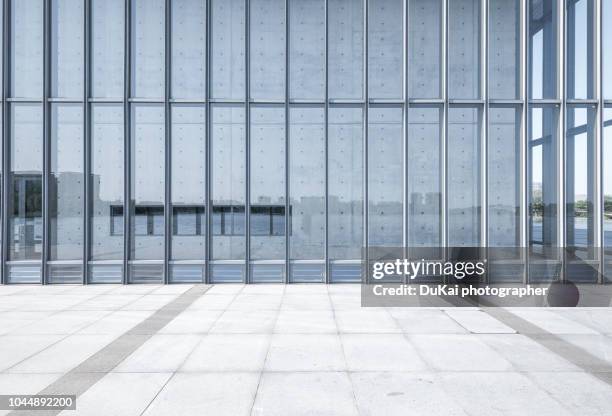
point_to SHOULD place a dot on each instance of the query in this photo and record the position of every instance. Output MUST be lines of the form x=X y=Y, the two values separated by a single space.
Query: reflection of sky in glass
x=581 y=51
x=537 y=64
x=580 y=153
x=536 y=133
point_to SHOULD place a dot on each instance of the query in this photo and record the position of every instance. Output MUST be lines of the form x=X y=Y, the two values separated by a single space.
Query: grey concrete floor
x=297 y=350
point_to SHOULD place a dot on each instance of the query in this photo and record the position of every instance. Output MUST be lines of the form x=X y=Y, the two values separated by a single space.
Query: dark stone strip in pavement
x=580 y=357
x=78 y=380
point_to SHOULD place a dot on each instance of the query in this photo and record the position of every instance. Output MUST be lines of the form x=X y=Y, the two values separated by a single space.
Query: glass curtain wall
x=267 y=196
x=188 y=142
x=307 y=193
x=270 y=140
x=580 y=191
x=24 y=188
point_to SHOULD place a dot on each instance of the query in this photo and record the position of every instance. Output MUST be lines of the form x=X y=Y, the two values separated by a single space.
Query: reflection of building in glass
x=311 y=129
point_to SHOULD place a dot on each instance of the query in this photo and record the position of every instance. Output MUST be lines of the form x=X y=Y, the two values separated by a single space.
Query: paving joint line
x=81 y=378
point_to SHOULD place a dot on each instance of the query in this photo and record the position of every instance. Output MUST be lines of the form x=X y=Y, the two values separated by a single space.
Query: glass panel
x=504 y=49
x=108 y=18
x=424 y=176
x=307 y=49
x=307 y=183
x=385 y=173
x=607 y=190
x=504 y=176
x=25 y=200
x=580 y=51
x=2 y=64
x=542 y=49
x=424 y=48
x=107 y=182
x=67 y=30
x=27 y=48
x=267 y=183
x=345 y=183
x=147 y=136
x=345 y=66
x=188 y=48
x=148 y=26
x=464 y=49
x=228 y=182
x=66 y=182
x=2 y=167
x=607 y=49
x=228 y=49
x=267 y=42
x=464 y=176
x=542 y=179
x=188 y=182
x=580 y=181
x=385 y=49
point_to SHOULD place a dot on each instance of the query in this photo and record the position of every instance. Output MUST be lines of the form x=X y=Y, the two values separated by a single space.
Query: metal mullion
x=546 y=101
x=366 y=94
x=386 y=101
x=146 y=100
x=562 y=95
x=524 y=213
x=582 y=101
x=167 y=142
x=186 y=100
x=287 y=158
x=599 y=134
x=207 y=144
x=24 y=100
x=247 y=117
x=87 y=140
x=127 y=141
x=105 y=100
x=340 y=101
x=64 y=100
x=5 y=140
x=326 y=121
x=484 y=128
x=425 y=101
x=46 y=136
x=405 y=133
x=444 y=164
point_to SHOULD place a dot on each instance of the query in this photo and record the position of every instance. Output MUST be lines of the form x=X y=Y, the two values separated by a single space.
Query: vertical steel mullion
x=366 y=94
x=562 y=94
x=484 y=130
x=127 y=147
x=326 y=121
x=445 y=131
x=207 y=144
x=46 y=136
x=167 y=143
x=247 y=117
x=405 y=135
x=599 y=149
x=524 y=210
x=87 y=141
x=6 y=10
x=287 y=126
x=598 y=197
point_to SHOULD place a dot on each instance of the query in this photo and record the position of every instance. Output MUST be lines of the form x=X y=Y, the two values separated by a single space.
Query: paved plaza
x=297 y=350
